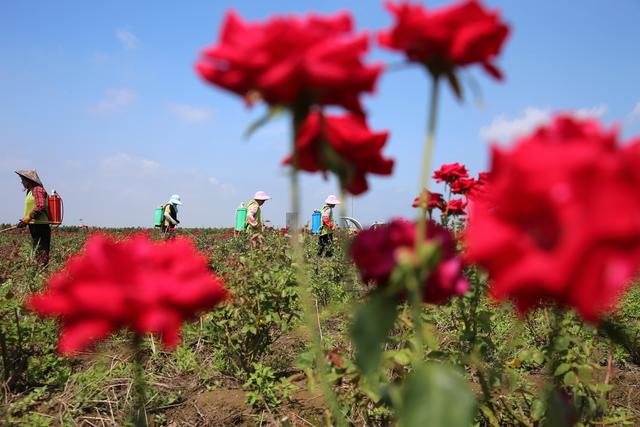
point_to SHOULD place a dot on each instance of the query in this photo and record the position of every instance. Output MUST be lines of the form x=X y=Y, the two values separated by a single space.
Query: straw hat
x=332 y=200
x=31 y=175
x=261 y=195
x=175 y=200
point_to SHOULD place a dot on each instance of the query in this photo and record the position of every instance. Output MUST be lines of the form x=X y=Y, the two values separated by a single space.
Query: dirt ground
x=227 y=407
x=626 y=392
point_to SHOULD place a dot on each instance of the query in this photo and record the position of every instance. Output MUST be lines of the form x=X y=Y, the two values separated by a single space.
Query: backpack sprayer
x=54 y=208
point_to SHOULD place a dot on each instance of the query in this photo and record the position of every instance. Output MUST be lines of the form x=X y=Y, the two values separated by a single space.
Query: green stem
x=414 y=285
x=343 y=202
x=139 y=384
x=553 y=360
x=415 y=302
x=427 y=158
x=299 y=114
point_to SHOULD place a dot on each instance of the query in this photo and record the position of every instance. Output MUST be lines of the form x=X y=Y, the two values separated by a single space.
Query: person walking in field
x=36 y=215
x=253 y=224
x=170 y=217
x=327 y=226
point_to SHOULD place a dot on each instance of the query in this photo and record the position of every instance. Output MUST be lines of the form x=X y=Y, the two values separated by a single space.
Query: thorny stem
x=299 y=114
x=415 y=284
x=427 y=157
x=343 y=202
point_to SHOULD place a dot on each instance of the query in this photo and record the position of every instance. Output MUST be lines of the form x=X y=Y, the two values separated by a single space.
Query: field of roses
x=511 y=298
x=249 y=361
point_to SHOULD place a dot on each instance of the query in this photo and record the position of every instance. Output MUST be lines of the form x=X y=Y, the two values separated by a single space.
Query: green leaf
x=402 y=357
x=585 y=373
x=272 y=113
x=372 y=324
x=564 y=367
x=487 y=412
x=570 y=379
x=525 y=355
x=436 y=395
x=538 y=357
x=537 y=410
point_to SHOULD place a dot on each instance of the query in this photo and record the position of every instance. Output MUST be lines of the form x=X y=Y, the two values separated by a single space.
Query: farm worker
x=327 y=226
x=36 y=215
x=253 y=223
x=170 y=216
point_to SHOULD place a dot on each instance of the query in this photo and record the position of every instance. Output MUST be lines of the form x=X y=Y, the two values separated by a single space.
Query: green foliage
x=372 y=324
x=264 y=390
x=535 y=370
x=265 y=304
x=27 y=352
x=427 y=396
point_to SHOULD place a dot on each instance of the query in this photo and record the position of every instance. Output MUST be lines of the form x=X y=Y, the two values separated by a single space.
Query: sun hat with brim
x=332 y=200
x=30 y=175
x=261 y=195
x=175 y=200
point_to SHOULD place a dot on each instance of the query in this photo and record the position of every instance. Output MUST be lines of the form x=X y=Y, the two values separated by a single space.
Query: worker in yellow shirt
x=36 y=215
x=327 y=226
x=170 y=216
x=253 y=223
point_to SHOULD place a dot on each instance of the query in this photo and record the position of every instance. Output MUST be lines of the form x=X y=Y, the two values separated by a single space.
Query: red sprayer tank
x=56 y=208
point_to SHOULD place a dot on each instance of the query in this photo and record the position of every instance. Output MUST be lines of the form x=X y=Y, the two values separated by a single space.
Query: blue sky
x=101 y=98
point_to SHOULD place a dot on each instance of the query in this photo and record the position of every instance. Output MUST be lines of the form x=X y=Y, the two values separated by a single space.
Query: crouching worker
x=36 y=215
x=170 y=217
x=253 y=224
x=327 y=226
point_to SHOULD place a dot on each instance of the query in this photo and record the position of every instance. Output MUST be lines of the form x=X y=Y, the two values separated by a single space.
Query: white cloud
x=114 y=100
x=225 y=188
x=128 y=40
x=593 y=112
x=189 y=113
x=504 y=130
x=137 y=185
x=635 y=113
x=120 y=163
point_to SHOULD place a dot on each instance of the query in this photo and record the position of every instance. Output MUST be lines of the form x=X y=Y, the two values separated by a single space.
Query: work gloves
x=24 y=221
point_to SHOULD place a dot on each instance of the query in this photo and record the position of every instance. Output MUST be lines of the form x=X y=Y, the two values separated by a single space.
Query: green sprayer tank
x=241 y=217
x=157 y=221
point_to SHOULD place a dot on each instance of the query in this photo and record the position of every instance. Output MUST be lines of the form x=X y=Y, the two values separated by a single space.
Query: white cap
x=261 y=195
x=332 y=200
x=175 y=200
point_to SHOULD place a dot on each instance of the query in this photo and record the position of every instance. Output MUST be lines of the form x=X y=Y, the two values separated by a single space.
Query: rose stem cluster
x=298 y=115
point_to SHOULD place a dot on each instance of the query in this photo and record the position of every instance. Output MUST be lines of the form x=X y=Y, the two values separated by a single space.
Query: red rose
x=375 y=254
x=435 y=200
x=455 y=207
x=479 y=186
x=450 y=172
x=345 y=145
x=451 y=36
x=145 y=286
x=560 y=219
x=483 y=178
x=463 y=186
x=286 y=60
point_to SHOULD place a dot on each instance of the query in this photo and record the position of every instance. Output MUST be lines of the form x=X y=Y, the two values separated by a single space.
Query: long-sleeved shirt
x=251 y=214
x=40 y=198
x=327 y=220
